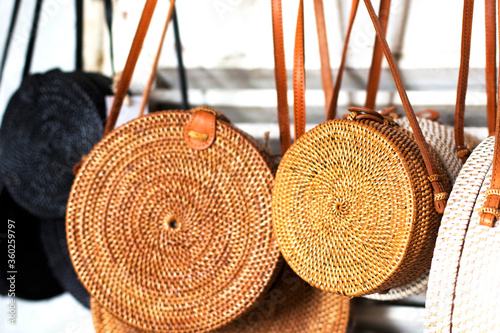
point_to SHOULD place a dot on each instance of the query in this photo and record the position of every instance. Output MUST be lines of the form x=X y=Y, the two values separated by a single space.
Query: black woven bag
x=28 y=273
x=50 y=122
x=53 y=239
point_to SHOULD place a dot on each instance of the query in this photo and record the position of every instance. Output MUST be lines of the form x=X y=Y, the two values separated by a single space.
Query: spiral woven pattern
x=291 y=306
x=353 y=208
x=170 y=238
x=51 y=121
x=442 y=140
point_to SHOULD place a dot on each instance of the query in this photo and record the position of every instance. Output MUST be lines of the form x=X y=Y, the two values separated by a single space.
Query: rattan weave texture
x=291 y=306
x=463 y=292
x=440 y=137
x=353 y=207
x=170 y=238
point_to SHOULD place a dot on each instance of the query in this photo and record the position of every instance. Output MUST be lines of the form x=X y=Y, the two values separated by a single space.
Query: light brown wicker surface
x=353 y=208
x=170 y=238
x=291 y=306
x=463 y=293
x=441 y=139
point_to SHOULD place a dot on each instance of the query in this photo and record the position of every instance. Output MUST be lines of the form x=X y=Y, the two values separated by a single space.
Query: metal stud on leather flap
x=199 y=133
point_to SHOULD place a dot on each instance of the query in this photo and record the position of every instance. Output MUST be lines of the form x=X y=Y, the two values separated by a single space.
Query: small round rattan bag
x=169 y=218
x=357 y=202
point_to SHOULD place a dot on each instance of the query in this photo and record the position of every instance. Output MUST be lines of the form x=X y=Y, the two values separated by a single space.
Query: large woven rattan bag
x=357 y=202
x=464 y=293
x=169 y=226
x=440 y=137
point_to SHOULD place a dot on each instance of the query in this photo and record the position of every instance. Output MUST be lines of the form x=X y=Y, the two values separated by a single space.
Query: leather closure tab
x=463 y=153
x=490 y=212
x=440 y=195
x=358 y=113
x=199 y=133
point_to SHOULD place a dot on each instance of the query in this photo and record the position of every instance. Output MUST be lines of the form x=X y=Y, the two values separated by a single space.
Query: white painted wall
x=235 y=33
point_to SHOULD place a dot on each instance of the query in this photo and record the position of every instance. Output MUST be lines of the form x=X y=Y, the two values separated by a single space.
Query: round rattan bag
x=441 y=139
x=169 y=222
x=291 y=306
x=353 y=206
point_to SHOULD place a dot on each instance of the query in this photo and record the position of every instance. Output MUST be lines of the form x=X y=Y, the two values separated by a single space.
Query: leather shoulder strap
x=299 y=77
x=490 y=212
x=332 y=108
x=491 y=57
x=440 y=194
x=376 y=65
x=324 y=53
x=152 y=75
x=128 y=71
x=491 y=80
x=280 y=76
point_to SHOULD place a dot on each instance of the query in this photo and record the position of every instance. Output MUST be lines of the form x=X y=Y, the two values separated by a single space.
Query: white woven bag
x=464 y=289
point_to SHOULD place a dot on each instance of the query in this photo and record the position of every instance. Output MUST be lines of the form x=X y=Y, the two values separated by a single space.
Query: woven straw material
x=53 y=239
x=464 y=293
x=353 y=208
x=170 y=238
x=291 y=306
x=441 y=139
x=51 y=121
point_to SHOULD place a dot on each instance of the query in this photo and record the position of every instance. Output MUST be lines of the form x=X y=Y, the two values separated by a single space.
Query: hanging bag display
x=51 y=119
x=357 y=202
x=50 y=122
x=463 y=293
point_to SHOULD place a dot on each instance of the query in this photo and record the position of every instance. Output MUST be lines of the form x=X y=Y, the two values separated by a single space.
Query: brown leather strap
x=376 y=66
x=463 y=75
x=491 y=84
x=152 y=75
x=490 y=210
x=332 y=108
x=326 y=69
x=438 y=187
x=299 y=76
x=280 y=76
x=128 y=71
x=491 y=53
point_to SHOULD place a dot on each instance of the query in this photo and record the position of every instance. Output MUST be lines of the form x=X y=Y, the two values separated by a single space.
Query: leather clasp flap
x=199 y=133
